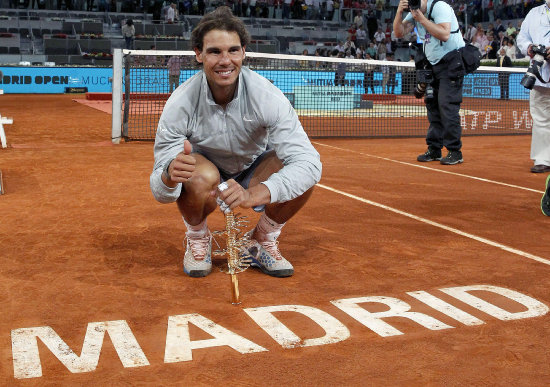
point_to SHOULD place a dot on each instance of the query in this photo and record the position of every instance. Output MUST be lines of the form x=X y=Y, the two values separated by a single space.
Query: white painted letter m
x=26 y=359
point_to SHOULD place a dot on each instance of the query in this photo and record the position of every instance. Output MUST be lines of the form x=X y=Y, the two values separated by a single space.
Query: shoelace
x=199 y=246
x=272 y=247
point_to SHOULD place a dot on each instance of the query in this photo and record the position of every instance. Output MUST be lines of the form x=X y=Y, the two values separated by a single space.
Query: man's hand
x=182 y=167
x=235 y=195
x=532 y=54
x=530 y=51
x=398 y=27
x=403 y=5
x=418 y=15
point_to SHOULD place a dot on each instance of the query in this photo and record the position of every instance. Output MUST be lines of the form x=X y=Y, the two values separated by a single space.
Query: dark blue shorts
x=244 y=177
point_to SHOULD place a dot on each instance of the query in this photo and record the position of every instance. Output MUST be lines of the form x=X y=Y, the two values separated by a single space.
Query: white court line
x=431 y=169
x=439 y=225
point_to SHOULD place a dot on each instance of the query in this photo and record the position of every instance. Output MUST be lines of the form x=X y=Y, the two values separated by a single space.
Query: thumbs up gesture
x=183 y=166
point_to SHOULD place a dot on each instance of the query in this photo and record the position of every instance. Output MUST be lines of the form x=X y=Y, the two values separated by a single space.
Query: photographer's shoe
x=432 y=154
x=197 y=261
x=452 y=158
x=540 y=168
x=545 y=201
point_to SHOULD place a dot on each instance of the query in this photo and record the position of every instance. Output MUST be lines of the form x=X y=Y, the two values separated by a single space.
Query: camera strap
x=535 y=67
x=430 y=18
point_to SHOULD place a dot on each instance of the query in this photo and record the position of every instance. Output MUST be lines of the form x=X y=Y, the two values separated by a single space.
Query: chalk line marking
x=431 y=169
x=439 y=225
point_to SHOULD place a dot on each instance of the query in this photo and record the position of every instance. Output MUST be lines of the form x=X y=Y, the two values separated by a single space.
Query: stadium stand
x=82 y=26
x=37 y=33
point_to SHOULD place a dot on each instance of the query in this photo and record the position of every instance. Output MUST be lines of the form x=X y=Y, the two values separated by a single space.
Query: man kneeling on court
x=227 y=123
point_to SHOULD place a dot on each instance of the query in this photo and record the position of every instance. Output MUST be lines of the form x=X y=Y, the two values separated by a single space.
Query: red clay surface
x=82 y=240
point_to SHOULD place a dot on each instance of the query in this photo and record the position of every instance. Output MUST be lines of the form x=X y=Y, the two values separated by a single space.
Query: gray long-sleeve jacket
x=233 y=138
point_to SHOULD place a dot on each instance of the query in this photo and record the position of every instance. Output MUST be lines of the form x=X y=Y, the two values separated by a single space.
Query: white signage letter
x=374 y=321
x=534 y=307
x=26 y=359
x=524 y=116
x=335 y=330
x=446 y=308
x=179 y=344
x=493 y=117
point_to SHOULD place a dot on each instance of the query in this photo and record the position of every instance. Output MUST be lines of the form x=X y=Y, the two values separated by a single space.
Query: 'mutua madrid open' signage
x=54 y=80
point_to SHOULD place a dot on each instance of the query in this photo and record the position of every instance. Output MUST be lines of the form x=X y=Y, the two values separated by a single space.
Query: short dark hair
x=220 y=19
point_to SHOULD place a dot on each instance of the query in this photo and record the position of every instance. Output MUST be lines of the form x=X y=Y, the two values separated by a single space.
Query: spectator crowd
x=369 y=34
x=382 y=11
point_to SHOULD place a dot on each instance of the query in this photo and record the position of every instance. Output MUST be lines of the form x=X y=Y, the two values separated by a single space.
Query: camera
x=424 y=86
x=534 y=70
x=424 y=75
x=413 y=4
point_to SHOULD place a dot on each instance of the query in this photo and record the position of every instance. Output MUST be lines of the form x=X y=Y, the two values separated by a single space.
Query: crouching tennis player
x=227 y=123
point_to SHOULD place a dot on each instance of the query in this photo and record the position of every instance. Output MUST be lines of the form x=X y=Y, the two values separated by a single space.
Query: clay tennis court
x=461 y=254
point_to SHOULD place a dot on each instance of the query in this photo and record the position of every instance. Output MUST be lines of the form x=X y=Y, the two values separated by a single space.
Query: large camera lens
x=419 y=90
x=528 y=81
x=534 y=71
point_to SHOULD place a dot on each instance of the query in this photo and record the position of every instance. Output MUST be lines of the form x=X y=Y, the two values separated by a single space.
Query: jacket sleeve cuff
x=272 y=190
x=161 y=191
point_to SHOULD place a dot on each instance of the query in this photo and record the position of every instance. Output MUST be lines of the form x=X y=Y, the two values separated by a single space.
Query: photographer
x=534 y=33
x=438 y=28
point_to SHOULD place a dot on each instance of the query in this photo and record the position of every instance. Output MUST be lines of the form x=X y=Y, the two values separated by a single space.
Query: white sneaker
x=266 y=256
x=197 y=261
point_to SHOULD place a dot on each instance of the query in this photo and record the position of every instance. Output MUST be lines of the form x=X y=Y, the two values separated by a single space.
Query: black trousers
x=504 y=83
x=368 y=82
x=443 y=114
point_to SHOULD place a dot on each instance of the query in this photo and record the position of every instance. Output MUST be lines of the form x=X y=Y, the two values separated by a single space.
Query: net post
x=116 y=127
x=4 y=120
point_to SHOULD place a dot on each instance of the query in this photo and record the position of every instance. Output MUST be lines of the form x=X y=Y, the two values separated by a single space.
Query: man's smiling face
x=222 y=57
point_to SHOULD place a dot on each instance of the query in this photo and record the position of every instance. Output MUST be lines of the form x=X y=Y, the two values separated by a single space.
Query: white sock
x=267 y=229
x=197 y=231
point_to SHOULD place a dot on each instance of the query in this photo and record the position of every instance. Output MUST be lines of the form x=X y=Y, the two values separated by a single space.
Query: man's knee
x=196 y=200
x=202 y=182
x=282 y=212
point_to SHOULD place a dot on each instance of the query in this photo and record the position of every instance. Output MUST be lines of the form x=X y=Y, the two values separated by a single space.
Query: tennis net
x=334 y=97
